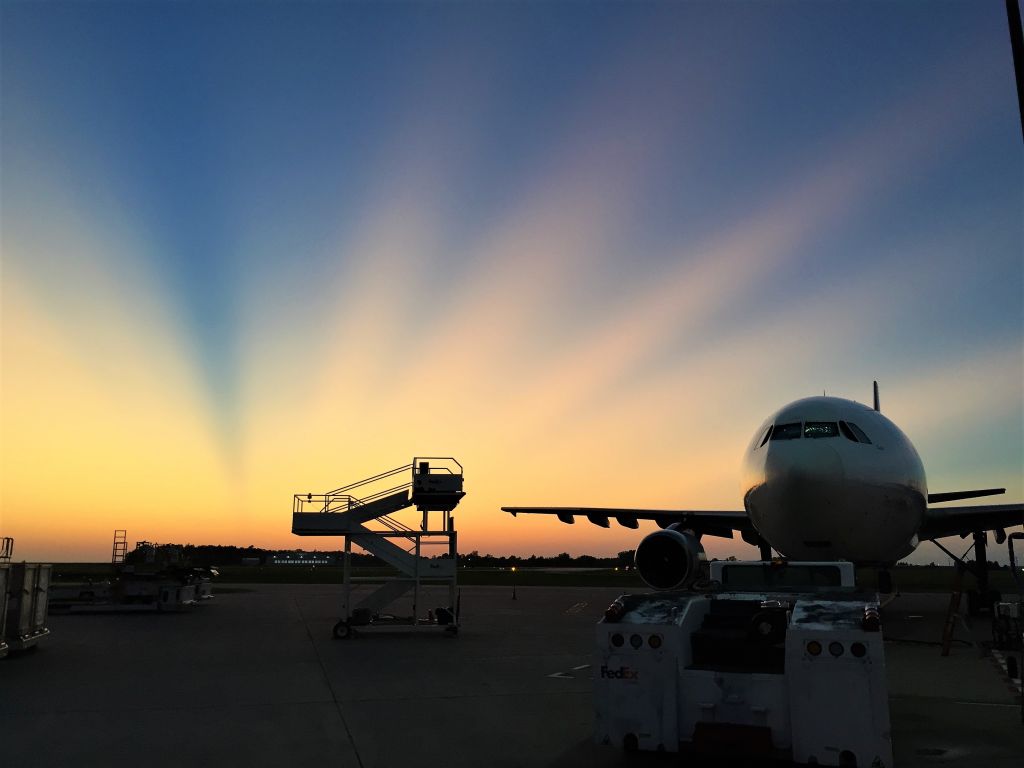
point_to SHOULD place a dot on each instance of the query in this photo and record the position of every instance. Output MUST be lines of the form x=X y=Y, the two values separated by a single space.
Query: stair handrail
x=330 y=499
x=394 y=525
x=340 y=502
x=381 y=476
x=333 y=503
x=323 y=500
x=435 y=469
x=381 y=494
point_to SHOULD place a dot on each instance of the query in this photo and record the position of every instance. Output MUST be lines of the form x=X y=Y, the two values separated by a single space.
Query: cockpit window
x=816 y=429
x=786 y=432
x=767 y=434
x=861 y=437
x=847 y=432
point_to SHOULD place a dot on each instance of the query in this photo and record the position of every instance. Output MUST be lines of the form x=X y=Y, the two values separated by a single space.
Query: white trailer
x=128 y=593
x=794 y=672
x=27 y=605
x=5 y=571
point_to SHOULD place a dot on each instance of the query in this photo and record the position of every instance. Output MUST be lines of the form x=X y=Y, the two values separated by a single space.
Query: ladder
x=6 y=551
x=120 y=550
x=362 y=513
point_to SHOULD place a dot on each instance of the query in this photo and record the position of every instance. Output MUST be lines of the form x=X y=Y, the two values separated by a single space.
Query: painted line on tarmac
x=569 y=675
x=576 y=608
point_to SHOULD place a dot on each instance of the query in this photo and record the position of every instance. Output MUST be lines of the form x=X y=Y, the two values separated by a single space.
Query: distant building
x=302 y=558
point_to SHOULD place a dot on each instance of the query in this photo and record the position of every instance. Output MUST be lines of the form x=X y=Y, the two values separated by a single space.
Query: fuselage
x=828 y=478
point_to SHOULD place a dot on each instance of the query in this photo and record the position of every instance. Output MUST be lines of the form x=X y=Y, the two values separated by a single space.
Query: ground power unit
x=791 y=669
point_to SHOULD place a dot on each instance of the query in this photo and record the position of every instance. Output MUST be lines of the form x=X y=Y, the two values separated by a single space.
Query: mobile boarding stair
x=434 y=485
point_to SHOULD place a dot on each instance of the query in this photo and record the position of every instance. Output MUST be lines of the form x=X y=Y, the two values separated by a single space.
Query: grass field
x=907 y=578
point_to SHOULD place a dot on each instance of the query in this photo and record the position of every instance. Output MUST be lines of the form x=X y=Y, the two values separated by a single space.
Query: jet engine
x=670 y=558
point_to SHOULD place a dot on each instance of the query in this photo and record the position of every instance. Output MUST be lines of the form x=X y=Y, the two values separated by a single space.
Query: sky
x=252 y=249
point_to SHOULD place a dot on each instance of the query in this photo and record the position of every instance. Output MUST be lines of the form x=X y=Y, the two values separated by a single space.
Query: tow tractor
x=763 y=659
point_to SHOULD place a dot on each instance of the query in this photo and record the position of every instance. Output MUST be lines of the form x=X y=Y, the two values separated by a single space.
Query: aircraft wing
x=712 y=523
x=953 y=521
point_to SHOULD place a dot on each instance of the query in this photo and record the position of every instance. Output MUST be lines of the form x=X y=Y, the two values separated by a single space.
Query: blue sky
x=551 y=216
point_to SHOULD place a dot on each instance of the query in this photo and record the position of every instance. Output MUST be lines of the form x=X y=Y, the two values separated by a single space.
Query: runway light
x=654 y=641
x=858 y=650
x=835 y=648
x=814 y=648
x=636 y=641
x=618 y=640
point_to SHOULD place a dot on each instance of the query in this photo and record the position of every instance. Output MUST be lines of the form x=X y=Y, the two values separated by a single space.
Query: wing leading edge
x=709 y=522
x=954 y=521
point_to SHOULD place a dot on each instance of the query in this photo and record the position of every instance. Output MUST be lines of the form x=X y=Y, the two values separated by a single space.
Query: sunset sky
x=254 y=249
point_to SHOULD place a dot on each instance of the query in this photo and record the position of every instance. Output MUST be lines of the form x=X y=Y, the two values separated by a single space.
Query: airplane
x=824 y=478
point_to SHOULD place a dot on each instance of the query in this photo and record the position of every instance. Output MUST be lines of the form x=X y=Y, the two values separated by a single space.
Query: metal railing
x=342 y=500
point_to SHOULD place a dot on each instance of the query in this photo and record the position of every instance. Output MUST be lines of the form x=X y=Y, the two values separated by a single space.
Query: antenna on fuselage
x=877 y=408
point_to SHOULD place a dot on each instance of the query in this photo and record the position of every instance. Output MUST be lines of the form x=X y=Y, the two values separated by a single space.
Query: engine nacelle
x=670 y=559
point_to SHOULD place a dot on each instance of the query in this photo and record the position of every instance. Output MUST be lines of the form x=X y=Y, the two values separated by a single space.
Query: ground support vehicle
x=794 y=672
x=125 y=593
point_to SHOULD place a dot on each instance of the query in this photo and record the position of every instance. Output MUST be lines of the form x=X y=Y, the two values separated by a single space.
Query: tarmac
x=255 y=678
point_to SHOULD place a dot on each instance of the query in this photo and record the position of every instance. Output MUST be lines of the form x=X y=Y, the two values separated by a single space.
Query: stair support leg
x=416 y=586
x=346 y=578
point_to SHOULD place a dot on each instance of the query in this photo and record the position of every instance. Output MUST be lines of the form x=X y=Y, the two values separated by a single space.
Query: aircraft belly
x=819 y=520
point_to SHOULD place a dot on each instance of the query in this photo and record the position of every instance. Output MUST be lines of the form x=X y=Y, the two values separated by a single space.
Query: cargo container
x=27 y=604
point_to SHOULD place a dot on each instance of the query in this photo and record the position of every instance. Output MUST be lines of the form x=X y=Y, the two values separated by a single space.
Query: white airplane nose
x=801 y=462
x=800 y=497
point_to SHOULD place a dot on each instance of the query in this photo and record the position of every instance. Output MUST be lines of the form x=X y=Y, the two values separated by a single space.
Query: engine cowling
x=670 y=559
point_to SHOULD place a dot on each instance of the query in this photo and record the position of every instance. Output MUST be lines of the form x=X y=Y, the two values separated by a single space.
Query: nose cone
x=803 y=465
x=799 y=494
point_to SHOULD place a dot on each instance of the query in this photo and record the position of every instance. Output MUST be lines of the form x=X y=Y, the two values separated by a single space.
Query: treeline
x=205 y=555
x=563 y=560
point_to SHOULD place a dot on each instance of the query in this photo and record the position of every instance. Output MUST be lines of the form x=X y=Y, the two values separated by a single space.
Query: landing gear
x=884 y=581
x=342 y=631
x=982 y=598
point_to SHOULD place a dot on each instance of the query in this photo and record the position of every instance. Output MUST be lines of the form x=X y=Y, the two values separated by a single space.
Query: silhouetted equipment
x=24 y=595
x=5 y=572
x=435 y=485
x=152 y=577
x=27 y=601
x=120 y=550
x=981 y=599
x=1008 y=616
